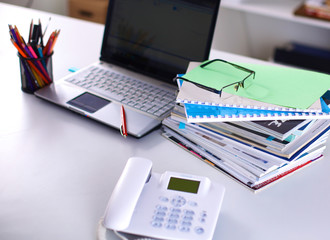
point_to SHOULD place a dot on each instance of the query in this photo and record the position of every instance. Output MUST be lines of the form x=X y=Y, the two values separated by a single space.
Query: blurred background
x=293 y=32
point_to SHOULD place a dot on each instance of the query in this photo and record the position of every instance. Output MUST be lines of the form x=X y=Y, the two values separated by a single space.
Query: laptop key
x=107 y=94
x=129 y=91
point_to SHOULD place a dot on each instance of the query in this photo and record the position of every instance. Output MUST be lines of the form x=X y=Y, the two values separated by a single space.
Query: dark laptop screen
x=159 y=37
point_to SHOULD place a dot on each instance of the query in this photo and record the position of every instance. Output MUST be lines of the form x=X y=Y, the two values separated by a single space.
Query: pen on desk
x=123 y=126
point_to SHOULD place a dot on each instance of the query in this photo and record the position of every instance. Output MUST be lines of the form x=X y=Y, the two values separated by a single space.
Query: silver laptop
x=146 y=43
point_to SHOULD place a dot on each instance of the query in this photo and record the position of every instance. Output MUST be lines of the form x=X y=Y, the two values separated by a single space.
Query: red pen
x=123 y=127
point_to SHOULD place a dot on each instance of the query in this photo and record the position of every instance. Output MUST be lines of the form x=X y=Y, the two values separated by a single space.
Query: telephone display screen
x=183 y=185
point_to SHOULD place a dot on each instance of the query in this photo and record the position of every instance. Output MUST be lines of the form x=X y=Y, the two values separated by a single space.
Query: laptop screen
x=158 y=38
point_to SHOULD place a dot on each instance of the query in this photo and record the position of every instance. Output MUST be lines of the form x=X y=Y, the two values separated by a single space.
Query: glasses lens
x=248 y=81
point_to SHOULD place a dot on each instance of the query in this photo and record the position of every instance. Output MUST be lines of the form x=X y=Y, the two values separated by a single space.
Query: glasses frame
x=238 y=83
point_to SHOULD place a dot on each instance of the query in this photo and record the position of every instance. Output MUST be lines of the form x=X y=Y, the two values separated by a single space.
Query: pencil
x=53 y=44
x=35 y=64
x=41 y=67
x=33 y=58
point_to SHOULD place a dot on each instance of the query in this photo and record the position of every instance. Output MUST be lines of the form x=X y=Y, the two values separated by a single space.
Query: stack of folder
x=252 y=135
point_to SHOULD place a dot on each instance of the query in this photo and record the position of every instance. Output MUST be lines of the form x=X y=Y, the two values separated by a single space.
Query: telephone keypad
x=178 y=201
x=172 y=214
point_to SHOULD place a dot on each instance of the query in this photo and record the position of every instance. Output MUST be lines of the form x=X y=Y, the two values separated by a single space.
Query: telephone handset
x=165 y=206
x=126 y=193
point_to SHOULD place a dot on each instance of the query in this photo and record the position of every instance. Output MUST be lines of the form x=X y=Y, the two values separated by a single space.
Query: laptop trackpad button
x=88 y=102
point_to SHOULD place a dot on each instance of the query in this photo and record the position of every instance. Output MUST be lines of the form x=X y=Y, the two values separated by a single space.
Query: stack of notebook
x=251 y=136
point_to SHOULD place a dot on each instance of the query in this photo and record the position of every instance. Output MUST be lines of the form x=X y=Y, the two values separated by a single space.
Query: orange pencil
x=29 y=62
x=35 y=65
x=24 y=55
x=50 y=39
x=53 y=44
x=19 y=37
x=18 y=48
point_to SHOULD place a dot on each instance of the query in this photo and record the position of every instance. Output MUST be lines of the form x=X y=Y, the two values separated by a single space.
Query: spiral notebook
x=213 y=113
x=302 y=102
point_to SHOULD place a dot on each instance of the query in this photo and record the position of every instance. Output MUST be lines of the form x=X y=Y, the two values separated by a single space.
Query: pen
x=41 y=67
x=40 y=34
x=123 y=127
x=37 y=66
x=30 y=32
x=43 y=34
x=25 y=56
x=33 y=54
x=41 y=56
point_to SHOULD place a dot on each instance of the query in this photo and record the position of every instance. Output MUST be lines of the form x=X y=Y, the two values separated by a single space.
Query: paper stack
x=254 y=148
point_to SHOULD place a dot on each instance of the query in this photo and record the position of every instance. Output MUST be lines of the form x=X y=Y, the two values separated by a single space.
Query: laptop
x=146 y=43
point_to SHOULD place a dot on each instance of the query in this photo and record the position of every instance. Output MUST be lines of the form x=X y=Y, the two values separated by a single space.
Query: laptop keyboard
x=127 y=90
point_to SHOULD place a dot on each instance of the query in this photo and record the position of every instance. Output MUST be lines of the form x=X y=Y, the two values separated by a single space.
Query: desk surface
x=58 y=169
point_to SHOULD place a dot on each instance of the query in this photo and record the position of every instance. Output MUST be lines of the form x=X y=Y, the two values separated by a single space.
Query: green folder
x=284 y=86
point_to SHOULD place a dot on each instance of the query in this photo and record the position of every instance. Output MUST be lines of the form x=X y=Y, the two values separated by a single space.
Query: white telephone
x=165 y=206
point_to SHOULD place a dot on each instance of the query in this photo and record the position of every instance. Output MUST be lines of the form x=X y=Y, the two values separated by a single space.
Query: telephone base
x=107 y=234
x=171 y=205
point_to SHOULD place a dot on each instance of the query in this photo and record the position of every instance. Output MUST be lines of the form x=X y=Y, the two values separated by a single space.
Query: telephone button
x=174 y=216
x=192 y=204
x=161 y=208
x=176 y=210
x=156 y=224
x=199 y=230
x=203 y=217
x=172 y=221
x=204 y=214
x=158 y=219
x=178 y=201
x=171 y=226
x=189 y=212
x=186 y=223
x=184 y=229
x=160 y=214
x=170 y=214
x=187 y=218
x=163 y=199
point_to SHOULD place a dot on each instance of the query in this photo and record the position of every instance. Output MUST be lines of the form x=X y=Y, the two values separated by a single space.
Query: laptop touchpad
x=88 y=102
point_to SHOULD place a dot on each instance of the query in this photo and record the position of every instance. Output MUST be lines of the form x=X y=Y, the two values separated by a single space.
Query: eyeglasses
x=236 y=85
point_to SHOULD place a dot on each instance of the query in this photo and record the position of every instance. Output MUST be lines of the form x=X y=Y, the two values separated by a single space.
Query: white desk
x=58 y=169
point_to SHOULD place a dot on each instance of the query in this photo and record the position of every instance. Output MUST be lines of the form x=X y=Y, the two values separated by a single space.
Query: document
x=283 y=86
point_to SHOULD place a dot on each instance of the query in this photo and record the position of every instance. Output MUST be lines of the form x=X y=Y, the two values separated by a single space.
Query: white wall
x=231 y=34
x=256 y=35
